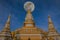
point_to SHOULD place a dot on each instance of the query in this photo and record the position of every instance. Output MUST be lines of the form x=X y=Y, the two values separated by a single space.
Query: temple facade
x=29 y=31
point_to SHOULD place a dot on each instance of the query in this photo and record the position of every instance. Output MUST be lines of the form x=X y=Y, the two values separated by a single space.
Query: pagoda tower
x=29 y=7
x=51 y=26
x=29 y=20
x=6 y=33
x=52 y=33
x=29 y=31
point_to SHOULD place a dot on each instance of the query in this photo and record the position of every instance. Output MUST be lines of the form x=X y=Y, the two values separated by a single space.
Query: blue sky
x=43 y=8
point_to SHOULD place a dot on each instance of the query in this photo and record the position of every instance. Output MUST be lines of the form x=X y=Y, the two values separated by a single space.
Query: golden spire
x=51 y=25
x=7 y=25
x=29 y=7
x=6 y=33
x=29 y=18
x=29 y=12
x=8 y=18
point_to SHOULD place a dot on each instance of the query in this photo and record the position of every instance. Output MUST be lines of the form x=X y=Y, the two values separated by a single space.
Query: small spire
x=29 y=18
x=51 y=25
x=7 y=25
x=6 y=33
x=28 y=11
x=8 y=18
x=29 y=7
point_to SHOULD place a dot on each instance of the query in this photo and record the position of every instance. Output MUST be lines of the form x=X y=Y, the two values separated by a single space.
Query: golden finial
x=28 y=11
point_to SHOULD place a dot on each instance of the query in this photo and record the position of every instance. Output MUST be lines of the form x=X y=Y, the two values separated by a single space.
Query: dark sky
x=43 y=8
